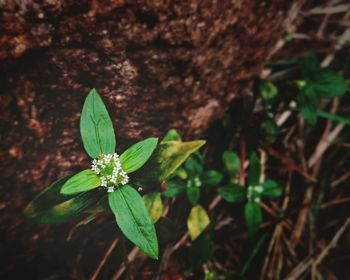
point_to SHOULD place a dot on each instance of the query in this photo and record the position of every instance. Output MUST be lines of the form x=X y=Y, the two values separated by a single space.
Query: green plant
x=314 y=84
x=76 y=194
x=310 y=81
x=253 y=193
x=191 y=177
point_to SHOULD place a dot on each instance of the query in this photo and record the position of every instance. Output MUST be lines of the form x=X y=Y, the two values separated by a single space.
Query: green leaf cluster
x=316 y=83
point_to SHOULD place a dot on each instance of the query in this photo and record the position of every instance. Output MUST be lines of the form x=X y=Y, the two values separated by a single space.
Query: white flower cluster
x=108 y=167
x=254 y=193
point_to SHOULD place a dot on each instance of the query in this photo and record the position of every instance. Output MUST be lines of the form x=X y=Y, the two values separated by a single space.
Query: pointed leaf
x=268 y=131
x=174 y=153
x=202 y=248
x=333 y=117
x=271 y=189
x=133 y=219
x=329 y=84
x=212 y=177
x=253 y=217
x=172 y=135
x=193 y=194
x=96 y=127
x=197 y=221
x=50 y=206
x=193 y=166
x=232 y=193
x=154 y=205
x=168 y=156
x=232 y=163
x=307 y=104
x=81 y=182
x=254 y=170
x=174 y=189
x=309 y=63
x=181 y=173
x=137 y=155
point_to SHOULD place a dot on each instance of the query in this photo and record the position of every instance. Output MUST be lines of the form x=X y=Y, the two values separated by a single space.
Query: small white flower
x=258 y=189
x=109 y=168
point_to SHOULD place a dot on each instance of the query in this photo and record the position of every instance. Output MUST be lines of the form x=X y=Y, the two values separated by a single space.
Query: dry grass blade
x=328 y=248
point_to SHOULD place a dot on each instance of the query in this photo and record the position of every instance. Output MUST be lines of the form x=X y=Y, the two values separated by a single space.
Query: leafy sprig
x=252 y=193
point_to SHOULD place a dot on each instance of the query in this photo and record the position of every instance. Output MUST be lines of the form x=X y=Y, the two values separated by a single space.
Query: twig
x=328 y=248
x=324 y=144
x=104 y=259
x=131 y=256
x=335 y=202
x=300 y=268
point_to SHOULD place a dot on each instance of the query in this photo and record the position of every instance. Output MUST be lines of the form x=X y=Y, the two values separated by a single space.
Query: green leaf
x=193 y=167
x=197 y=221
x=50 y=206
x=202 y=248
x=174 y=189
x=96 y=127
x=181 y=173
x=232 y=193
x=168 y=156
x=137 y=155
x=271 y=189
x=268 y=131
x=212 y=177
x=253 y=217
x=307 y=103
x=268 y=92
x=172 y=135
x=309 y=63
x=329 y=84
x=334 y=117
x=81 y=182
x=154 y=205
x=231 y=162
x=254 y=170
x=133 y=219
x=193 y=194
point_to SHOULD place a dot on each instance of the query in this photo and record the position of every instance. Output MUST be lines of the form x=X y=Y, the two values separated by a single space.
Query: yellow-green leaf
x=173 y=153
x=50 y=206
x=197 y=221
x=168 y=156
x=154 y=205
